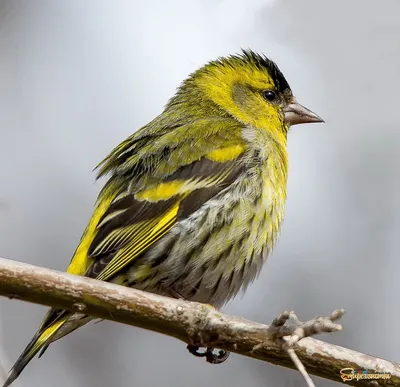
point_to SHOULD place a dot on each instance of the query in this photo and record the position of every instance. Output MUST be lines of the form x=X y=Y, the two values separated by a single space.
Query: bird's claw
x=211 y=357
x=216 y=358
x=194 y=350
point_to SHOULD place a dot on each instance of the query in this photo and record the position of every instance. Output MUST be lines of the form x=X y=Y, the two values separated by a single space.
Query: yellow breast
x=269 y=168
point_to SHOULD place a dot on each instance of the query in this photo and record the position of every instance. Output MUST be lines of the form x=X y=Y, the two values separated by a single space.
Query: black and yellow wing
x=157 y=179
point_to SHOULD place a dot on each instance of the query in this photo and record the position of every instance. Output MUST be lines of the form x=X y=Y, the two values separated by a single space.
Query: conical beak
x=298 y=114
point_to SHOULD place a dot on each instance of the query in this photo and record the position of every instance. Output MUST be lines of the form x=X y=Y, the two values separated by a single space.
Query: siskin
x=195 y=198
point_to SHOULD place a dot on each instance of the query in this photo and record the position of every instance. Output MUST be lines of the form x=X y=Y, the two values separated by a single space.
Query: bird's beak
x=298 y=114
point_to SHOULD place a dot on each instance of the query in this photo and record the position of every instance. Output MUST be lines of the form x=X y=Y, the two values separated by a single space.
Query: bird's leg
x=193 y=349
x=209 y=354
x=211 y=357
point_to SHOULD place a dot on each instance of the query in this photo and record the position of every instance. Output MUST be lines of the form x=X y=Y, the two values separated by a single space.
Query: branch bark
x=190 y=322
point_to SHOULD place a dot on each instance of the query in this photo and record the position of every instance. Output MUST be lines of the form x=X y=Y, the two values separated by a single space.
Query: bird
x=194 y=201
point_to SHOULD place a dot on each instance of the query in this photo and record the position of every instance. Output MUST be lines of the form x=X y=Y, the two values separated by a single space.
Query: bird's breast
x=269 y=206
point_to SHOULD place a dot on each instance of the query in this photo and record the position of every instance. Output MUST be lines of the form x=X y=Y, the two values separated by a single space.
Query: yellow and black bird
x=195 y=199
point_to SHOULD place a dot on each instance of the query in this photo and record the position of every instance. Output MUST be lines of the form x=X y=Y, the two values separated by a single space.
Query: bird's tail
x=39 y=342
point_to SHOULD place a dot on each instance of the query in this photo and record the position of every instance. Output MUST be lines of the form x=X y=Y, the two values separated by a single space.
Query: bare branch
x=193 y=323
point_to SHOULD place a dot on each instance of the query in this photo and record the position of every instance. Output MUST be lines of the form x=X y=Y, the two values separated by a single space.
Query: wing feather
x=160 y=175
x=134 y=225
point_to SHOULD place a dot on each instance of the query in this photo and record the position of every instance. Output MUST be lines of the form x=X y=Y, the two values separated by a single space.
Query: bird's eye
x=269 y=95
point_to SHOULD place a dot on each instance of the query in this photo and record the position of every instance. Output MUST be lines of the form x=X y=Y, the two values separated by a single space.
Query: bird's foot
x=209 y=354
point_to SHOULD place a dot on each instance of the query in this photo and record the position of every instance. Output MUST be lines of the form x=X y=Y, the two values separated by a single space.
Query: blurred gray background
x=76 y=78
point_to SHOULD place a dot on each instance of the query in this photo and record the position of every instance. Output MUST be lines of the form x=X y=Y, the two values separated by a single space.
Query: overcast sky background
x=76 y=78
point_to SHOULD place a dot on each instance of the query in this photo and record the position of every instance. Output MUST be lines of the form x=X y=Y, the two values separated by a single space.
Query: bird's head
x=253 y=90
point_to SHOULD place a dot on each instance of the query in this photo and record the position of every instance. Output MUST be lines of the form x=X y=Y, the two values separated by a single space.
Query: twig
x=193 y=323
x=299 y=331
x=299 y=365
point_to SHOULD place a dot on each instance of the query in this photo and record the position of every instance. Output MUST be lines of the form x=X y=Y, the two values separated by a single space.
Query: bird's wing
x=135 y=221
x=157 y=179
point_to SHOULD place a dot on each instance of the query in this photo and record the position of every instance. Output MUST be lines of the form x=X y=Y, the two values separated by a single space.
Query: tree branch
x=190 y=322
